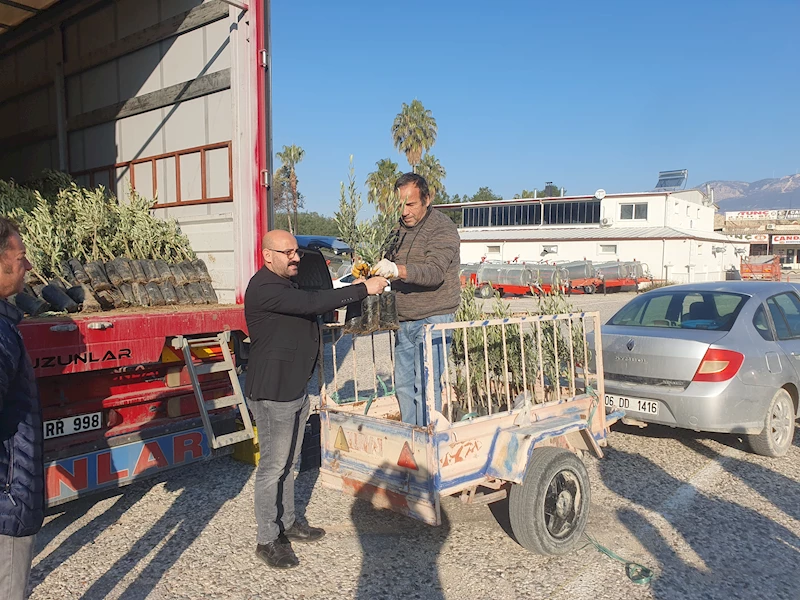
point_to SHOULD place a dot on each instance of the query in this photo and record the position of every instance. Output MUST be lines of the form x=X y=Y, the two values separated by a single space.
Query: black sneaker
x=300 y=532
x=277 y=555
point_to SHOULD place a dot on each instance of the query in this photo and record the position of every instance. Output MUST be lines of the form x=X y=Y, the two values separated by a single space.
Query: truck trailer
x=170 y=99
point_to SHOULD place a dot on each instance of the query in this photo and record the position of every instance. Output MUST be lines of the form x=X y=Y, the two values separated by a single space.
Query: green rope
x=638 y=574
x=369 y=403
x=386 y=392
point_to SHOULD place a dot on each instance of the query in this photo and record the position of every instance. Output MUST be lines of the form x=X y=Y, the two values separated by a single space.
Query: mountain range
x=779 y=193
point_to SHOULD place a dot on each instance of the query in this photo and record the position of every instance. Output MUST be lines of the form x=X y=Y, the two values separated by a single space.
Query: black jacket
x=21 y=438
x=284 y=334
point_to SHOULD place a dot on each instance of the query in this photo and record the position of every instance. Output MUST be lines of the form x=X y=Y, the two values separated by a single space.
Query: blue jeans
x=409 y=366
x=281 y=426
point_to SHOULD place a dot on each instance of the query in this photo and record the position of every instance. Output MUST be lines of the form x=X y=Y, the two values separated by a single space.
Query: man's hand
x=386 y=268
x=375 y=285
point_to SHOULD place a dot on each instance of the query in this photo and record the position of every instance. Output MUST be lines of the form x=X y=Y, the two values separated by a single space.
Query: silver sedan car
x=721 y=357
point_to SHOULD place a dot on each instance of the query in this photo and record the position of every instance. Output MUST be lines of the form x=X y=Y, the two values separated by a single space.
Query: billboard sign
x=791 y=214
x=749 y=238
x=786 y=239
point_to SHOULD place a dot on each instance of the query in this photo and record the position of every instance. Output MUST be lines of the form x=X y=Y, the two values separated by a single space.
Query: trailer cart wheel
x=486 y=291
x=588 y=289
x=549 y=510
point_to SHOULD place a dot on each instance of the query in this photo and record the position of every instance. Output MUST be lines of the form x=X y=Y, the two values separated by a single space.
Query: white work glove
x=385 y=268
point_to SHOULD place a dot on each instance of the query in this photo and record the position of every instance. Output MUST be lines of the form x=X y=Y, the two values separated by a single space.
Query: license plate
x=649 y=407
x=69 y=425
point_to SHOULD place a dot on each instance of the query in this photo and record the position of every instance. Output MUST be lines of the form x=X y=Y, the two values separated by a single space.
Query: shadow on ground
x=181 y=524
x=722 y=549
x=400 y=554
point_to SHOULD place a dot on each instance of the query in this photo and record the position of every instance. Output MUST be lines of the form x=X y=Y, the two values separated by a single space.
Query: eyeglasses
x=290 y=253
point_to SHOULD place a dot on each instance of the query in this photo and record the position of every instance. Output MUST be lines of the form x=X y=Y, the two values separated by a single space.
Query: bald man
x=284 y=346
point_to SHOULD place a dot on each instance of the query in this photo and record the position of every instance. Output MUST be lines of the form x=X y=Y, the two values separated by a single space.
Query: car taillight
x=718 y=365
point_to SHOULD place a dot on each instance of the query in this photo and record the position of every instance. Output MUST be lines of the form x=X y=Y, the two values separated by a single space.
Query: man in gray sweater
x=423 y=265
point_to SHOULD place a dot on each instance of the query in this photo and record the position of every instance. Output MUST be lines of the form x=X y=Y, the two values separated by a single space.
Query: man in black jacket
x=284 y=346
x=21 y=439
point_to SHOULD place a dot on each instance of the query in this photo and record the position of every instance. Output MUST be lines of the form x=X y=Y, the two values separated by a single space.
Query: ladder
x=226 y=365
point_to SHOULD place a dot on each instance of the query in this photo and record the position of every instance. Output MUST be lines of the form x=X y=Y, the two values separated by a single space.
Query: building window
x=492 y=249
x=608 y=248
x=634 y=211
x=549 y=249
x=572 y=213
x=476 y=217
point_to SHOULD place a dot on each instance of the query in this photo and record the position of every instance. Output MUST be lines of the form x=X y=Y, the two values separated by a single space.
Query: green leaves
x=434 y=174
x=349 y=205
x=380 y=183
x=287 y=197
x=414 y=131
x=370 y=240
x=489 y=388
x=67 y=221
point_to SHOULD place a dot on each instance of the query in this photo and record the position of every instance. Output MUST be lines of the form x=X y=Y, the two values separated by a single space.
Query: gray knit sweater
x=431 y=253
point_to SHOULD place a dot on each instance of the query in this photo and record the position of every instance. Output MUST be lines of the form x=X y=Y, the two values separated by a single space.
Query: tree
x=483 y=194
x=549 y=191
x=414 y=132
x=285 y=199
x=432 y=170
x=443 y=197
x=311 y=223
x=380 y=183
x=290 y=157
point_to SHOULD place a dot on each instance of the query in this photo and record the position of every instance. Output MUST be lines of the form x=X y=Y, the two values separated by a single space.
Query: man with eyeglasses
x=284 y=346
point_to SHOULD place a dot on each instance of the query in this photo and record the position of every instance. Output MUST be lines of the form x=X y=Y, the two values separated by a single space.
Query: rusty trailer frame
x=546 y=392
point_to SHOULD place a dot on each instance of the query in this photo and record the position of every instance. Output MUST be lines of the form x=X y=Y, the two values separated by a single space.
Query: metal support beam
x=236 y=3
x=45 y=21
x=59 y=85
x=19 y=6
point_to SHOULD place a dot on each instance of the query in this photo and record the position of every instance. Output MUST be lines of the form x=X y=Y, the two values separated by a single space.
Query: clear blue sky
x=585 y=94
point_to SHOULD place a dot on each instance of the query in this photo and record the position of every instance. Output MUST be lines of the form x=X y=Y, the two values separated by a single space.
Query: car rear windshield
x=681 y=310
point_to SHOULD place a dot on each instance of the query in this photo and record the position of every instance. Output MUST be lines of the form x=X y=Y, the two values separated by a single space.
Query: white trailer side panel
x=147 y=101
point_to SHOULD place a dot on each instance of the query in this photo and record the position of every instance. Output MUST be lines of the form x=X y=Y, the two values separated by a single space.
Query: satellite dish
x=600 y=194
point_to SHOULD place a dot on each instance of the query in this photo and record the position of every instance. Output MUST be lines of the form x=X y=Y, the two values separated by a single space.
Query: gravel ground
x=713 y=520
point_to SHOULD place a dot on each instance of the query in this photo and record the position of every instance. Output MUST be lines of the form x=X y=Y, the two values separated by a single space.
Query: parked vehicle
x=718 y=357
x=765 y=268
x=344 y=281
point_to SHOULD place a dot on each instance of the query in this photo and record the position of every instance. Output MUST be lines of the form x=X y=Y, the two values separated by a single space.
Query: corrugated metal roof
x=586 y=233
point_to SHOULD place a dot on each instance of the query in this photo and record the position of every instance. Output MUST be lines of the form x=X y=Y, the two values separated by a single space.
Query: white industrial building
x=671 y=231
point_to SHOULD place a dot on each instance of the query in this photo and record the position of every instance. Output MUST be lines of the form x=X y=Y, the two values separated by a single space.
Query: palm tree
x=380 y=184
x=290 y=157
x=432 y=170
x=414 y=132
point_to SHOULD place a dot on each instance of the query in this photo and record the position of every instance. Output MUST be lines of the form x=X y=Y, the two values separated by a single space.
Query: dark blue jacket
x=21 y=450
